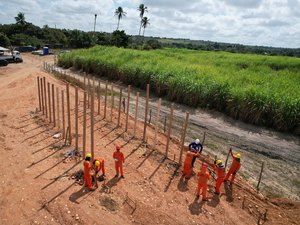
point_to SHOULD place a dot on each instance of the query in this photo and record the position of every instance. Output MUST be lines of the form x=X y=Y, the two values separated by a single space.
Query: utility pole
x=95 y=28
x=95 y=23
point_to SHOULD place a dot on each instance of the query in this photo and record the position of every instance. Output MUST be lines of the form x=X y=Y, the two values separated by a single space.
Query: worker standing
x=235 y=166
x=187 y=165
x=220 y=169
x=87 y=171
x=203 y=177
x=119 y=160
x=195 y=147
x=99 y=166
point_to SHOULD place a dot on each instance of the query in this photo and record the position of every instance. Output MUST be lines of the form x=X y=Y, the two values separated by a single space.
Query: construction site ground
x=37 y=184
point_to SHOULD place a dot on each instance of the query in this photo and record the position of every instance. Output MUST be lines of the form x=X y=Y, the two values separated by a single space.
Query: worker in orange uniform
x=204 y=176
x=220 y=169
x=119 y=160
x=99 y=166
x=235 y=166
x=187 y=165
x=87 y=171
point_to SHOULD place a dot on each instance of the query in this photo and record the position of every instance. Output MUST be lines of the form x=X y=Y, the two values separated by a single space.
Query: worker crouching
x=119 y=160
x=203 y=178
x=99 y=166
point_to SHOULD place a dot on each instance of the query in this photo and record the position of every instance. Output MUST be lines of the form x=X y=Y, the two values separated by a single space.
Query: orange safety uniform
x=87 y=174
x=187 y=166
x=204 y=176
x=101 y=167
x=119 y=160
x=235 y=166
x=220 y=169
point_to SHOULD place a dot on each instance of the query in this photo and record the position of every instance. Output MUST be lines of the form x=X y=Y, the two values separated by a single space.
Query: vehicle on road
x=10 y=56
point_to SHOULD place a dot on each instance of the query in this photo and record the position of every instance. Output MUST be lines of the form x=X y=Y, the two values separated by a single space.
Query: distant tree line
x=23 y=33
x=228 y=47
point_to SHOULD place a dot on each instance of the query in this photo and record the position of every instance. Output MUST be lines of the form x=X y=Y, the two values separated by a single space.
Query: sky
x=252 y=22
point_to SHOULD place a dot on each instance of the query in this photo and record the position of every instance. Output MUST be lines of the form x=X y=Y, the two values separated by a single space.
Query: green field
x=262 y=90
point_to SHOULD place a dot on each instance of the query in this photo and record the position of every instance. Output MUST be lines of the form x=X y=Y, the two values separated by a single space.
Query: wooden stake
x=183 y=136
x=227 y=157
x=146 y=113
x=66 y=135
x=57 y=104
x=120 y=103
x=76 y=118
x=105 y=99
x=112 y=101
x=89 y=87
x=84 y=80
x=49 y=102
x=92 y=124
x=169 y=130
x=84 y=124
x=136 y=112
x=53 y=105
x=127 y=110
x=150 y=115
x=42 y=95
x=39 y=92
x=69 y=114
x=63 y=112
x=165 y=123
x=157 y=121
x=260 y=175
x=99 y=97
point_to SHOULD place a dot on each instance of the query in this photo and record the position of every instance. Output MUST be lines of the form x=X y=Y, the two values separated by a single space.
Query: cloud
x=255 y=22
x=243 y=3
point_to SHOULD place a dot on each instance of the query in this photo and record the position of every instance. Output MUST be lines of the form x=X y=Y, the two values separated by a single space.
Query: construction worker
x=119 y=160
x=220 y=170
x=235 y=166
x=87 y=171
x=195 y=147
x=187 y=165
x=204 y=176
x=99 y=165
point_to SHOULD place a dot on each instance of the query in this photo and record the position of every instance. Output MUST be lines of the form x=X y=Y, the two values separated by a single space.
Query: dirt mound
x=110 y=202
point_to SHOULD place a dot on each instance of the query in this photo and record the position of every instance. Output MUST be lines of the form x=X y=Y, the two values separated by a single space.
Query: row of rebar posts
x=49 y=109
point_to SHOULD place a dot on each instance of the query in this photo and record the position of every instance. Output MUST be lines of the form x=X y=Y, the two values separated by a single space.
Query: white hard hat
x=197 y=141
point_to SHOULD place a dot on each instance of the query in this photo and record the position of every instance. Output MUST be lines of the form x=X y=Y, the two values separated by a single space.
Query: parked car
x=3 y=62
x=14 y=57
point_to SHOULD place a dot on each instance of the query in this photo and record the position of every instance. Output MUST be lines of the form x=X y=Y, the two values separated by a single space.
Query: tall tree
x=20 y=18
x=119 y=13
x=145 y=23
x=142 y=8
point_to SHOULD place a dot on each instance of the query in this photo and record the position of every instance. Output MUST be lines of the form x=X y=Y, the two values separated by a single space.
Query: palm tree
x=145 y=23
x=142 y=8
x=20 y=19
x=120 y=13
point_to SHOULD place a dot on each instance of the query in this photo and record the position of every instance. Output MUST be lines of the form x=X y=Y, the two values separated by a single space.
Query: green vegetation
x=261 y=90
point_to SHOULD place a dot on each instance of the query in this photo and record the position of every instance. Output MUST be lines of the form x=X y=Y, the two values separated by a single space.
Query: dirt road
x=36 y=185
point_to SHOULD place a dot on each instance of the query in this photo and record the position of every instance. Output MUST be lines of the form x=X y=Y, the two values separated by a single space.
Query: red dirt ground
x=36 y=181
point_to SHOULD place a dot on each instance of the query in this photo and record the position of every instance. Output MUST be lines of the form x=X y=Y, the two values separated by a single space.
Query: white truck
x=10 y=57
